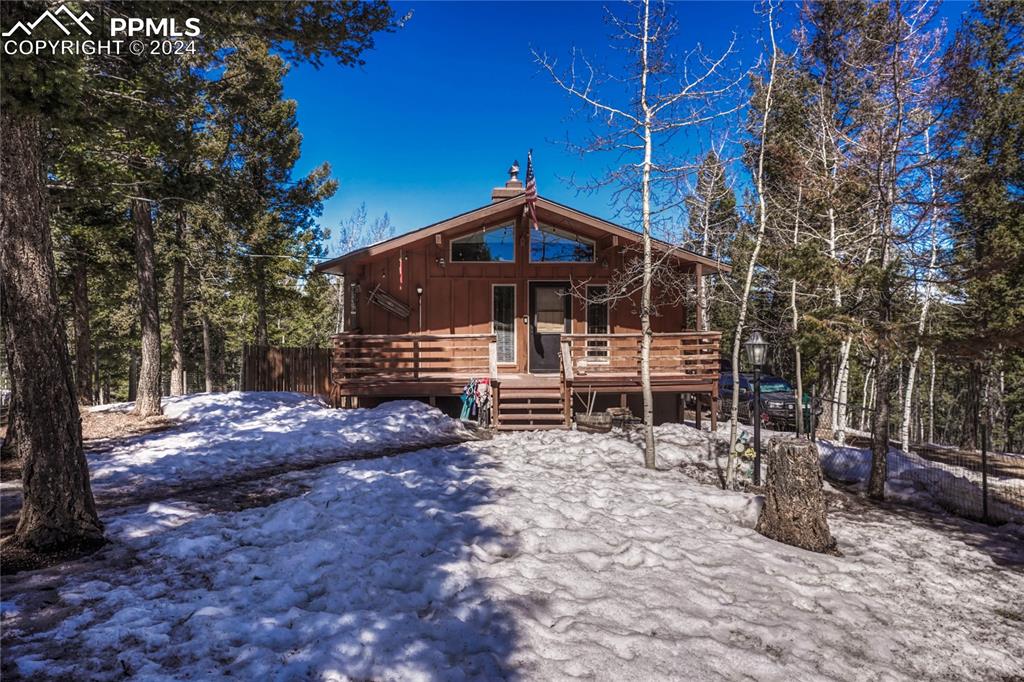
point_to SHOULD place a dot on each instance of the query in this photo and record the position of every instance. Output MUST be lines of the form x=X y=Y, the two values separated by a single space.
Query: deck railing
x=371 y=358
x=693 y=355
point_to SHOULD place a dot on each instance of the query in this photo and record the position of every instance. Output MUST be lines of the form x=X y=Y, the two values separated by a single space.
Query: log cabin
x=488 y=294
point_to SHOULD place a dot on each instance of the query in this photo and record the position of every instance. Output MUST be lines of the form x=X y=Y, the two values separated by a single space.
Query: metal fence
x=981 y=485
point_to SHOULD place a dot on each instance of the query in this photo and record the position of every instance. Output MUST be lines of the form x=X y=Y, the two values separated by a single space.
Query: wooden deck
x=430 y=366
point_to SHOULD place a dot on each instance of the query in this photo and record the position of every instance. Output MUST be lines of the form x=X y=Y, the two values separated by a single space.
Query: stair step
x=529 y=427
x=502 y=406
x=531 y=416
x=547 y=394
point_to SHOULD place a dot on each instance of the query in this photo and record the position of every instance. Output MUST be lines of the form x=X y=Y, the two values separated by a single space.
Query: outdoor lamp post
x=757 y=349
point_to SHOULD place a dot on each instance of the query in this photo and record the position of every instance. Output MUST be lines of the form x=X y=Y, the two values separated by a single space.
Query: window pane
x=496 y=245
x=504 y=322
x=597 y=310
x=549 y=245
x=550 y=310
x=597 y=321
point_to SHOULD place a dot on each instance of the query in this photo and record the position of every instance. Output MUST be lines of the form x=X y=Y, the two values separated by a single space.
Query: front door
x=550 y=317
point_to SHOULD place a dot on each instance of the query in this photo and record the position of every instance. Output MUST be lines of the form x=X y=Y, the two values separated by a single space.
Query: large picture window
x=493 y=245
x=504 y=321
x=551 y=245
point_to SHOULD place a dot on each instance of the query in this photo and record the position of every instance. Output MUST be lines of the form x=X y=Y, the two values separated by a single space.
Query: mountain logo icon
x=27 y=29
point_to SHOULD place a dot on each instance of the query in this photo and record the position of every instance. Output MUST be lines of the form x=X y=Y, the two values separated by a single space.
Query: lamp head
x=757 y=349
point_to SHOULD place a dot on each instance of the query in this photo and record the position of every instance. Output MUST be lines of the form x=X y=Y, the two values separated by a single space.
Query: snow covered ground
x=541 y=556
x=225 y=434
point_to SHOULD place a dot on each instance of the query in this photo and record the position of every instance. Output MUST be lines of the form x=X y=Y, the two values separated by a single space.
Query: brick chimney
x=513 y=187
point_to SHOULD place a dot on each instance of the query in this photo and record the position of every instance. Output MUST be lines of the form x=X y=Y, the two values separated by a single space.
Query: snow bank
x=539 y=556
x=910 y=475
x=226 y=434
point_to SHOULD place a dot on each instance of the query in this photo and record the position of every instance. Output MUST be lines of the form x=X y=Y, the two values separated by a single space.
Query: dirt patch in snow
x=17 y=558
x=108 y=428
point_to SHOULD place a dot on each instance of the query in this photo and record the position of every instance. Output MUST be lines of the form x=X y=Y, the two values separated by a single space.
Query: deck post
x=568 y=377
x=495 y=402
x=699 y=277
x=698 y=398
x=714 y=409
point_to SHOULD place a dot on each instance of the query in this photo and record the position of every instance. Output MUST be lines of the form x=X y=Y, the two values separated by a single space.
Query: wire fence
x=980 y=485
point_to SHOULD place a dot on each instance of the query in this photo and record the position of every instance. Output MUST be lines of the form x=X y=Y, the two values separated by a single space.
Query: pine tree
x=985 y=186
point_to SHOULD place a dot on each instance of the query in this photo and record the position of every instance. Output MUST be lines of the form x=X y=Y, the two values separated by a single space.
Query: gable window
x=551 y=245
x=492 y=245
x=503 y=321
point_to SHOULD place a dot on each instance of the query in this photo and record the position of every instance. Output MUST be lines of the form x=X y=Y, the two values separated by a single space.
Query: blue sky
x=429 y=125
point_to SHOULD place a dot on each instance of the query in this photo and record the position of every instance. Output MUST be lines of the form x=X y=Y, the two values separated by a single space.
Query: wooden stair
x=529 y=409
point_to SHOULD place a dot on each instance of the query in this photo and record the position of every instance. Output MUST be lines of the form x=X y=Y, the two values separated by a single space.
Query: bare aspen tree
x=828 y=38
x=712 y=220
x=931 y=402
x=898 y=55
x=922 y=319
x=662 y=98
x=798 y=390
x=762 y=223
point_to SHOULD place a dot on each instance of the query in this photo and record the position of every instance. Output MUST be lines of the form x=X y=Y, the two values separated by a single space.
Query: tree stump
x=794 y=506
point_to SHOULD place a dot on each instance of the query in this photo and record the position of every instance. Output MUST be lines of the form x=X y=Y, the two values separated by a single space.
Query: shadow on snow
x=369 y=575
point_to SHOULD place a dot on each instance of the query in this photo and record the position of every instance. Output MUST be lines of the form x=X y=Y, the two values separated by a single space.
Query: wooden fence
x=302 y=370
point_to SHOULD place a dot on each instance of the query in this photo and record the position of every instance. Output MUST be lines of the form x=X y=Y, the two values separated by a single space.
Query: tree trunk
x=220 y=350
x=842 y=391
x=207 y=354
x=798 y=418
x=178 y=308
x=881 y=415
x=147 y=402
x=794 y=506
x=7 y=450
x=57 y=504
x=865 y=396
x=260 y=333
x=133 y=378
x=922 y=321
x=84 y=364
x=748 y=281
x=646 y=333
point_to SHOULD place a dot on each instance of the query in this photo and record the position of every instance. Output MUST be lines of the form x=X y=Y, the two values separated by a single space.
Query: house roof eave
x=495 y=208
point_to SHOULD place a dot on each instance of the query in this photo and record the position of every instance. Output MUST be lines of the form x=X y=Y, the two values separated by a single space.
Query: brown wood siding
x=457 y=296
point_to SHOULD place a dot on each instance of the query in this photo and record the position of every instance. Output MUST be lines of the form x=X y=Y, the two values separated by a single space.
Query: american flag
x=531 y=191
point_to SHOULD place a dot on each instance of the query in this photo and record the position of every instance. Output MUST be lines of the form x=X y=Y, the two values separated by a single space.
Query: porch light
x=757 y=349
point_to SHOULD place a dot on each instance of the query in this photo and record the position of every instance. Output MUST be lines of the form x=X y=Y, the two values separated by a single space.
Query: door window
x=597 y=321
x=503 y=325
x=549 y=310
